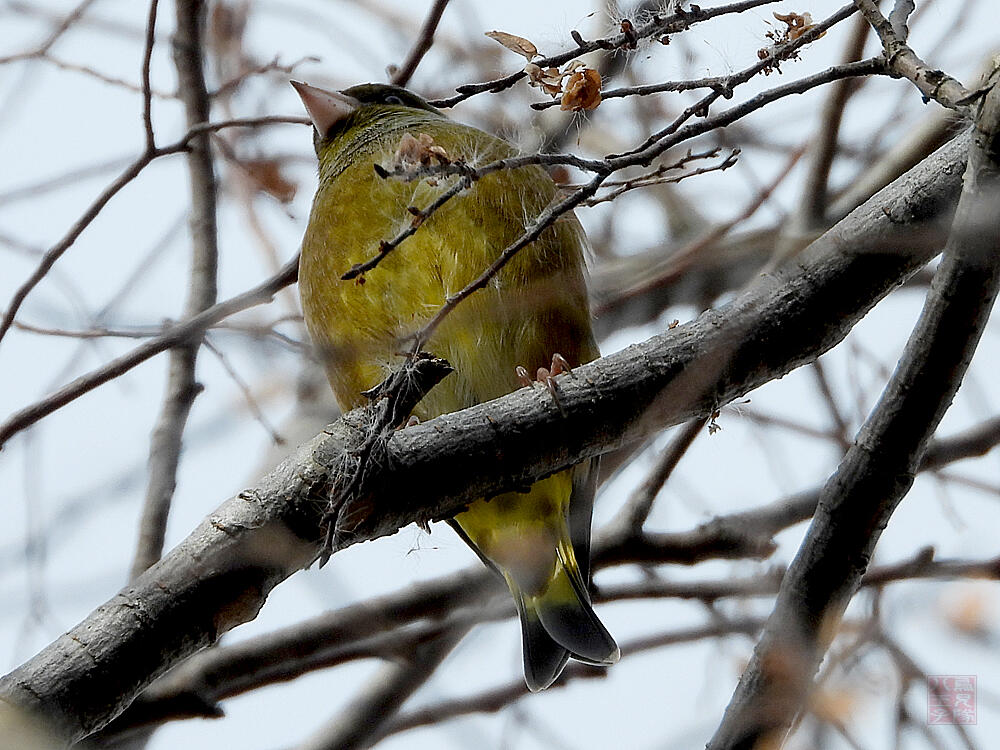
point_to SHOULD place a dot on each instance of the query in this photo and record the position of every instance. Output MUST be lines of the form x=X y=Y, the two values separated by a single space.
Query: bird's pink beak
x=325 y=108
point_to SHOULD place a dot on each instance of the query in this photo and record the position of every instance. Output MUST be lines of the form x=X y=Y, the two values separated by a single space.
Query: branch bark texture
x=220 y=575
x=859 y=499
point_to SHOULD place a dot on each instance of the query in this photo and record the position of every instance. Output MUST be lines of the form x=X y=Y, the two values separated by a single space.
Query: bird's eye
x=393 y=99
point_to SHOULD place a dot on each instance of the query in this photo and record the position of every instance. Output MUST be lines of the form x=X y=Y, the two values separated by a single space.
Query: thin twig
x=275 y=66
x=675 y=264
x=841 y=431
x=173 y=336
x=86 y=70
x=544 y=220
x=636 y=510
x=657 y=176
x=248 y=397
x=182 y=387
x=130 y=173
x=364 y=717
x=61 y=28
x=657 y=26
x=425 y=39
x=419 y=216
x=903 y=61
x=782 y=52
x=147 y=90
x=812 y=211
x=32 y=190
x=722 y=84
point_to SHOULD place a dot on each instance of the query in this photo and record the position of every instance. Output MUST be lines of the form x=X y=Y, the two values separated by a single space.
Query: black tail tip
x=578 y=630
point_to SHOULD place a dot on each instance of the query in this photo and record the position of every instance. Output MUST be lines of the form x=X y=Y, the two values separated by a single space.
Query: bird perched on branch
x=385 y=156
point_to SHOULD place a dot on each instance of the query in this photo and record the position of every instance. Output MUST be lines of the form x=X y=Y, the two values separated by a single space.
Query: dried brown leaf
x=266 y=173
x=419 y=151
x=548 y=80
x=582 y=91
x=517 y=44
x=796 y=24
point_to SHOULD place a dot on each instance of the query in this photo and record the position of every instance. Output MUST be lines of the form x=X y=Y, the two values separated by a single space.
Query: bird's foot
x=546 y=377
x=411 y=421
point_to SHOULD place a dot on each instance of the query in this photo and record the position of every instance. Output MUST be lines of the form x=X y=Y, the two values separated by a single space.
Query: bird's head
x=342 y=116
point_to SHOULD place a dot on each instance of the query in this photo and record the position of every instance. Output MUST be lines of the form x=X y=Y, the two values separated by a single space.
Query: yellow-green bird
x=535 y=307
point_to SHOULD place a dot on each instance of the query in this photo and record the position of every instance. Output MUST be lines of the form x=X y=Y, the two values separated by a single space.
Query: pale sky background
x=72 y=486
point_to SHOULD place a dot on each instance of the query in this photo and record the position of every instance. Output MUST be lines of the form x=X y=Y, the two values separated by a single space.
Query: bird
x=535 y=308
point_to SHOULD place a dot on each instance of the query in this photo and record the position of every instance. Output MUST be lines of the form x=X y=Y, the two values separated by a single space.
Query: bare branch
x=130 y=173
x=903 y=61
x=222 y=573
x=657 y=26
x=175 y=335
x=358 y=631
x=900 y=16
x=61 y=28
x=785 y=51
x=182 y=388
x=532 y=233
x=643 y=155
x=498 y=698
x=814 y=192
x=147 y=90
x=366 y=715
x=877 y=471
x=248 y=397
x=636 y=510
x=402 y=75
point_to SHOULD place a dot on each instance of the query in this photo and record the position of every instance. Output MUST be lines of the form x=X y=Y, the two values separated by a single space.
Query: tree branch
x=658 y=25
x=221 y=574
x=390 y=687
x=173 y=336
x=425 y=39
x=182 y=388
x=359 y=630
x=877 y=471
x=903 y=61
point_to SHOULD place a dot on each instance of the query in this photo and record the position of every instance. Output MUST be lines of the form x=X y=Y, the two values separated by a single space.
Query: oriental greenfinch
x=535 y=307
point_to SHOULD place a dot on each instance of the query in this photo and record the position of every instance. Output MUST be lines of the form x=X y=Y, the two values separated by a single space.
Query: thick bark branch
x=858 y=500
x=221 y=574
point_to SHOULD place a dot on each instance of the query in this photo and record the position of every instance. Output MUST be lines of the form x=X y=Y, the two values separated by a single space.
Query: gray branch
x=877 y=471
x=221 y=574
x=182 y=388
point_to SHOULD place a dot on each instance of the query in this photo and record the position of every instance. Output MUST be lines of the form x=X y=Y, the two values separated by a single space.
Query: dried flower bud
x=582 y=91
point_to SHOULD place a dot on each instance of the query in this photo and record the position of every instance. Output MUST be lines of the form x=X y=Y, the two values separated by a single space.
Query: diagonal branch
x=364 y=718
x=658 y=25
x=173 y=336
x=903 y=61
x=877 y=471
x=127 y=176
x=221 y=574
x=425 y=39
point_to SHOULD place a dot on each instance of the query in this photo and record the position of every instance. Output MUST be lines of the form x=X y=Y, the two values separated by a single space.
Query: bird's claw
x=411 y=421
x=545 y=376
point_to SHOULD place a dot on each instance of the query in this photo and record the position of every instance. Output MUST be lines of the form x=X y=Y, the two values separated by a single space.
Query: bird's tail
x=559 y=622
x=539 y=542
